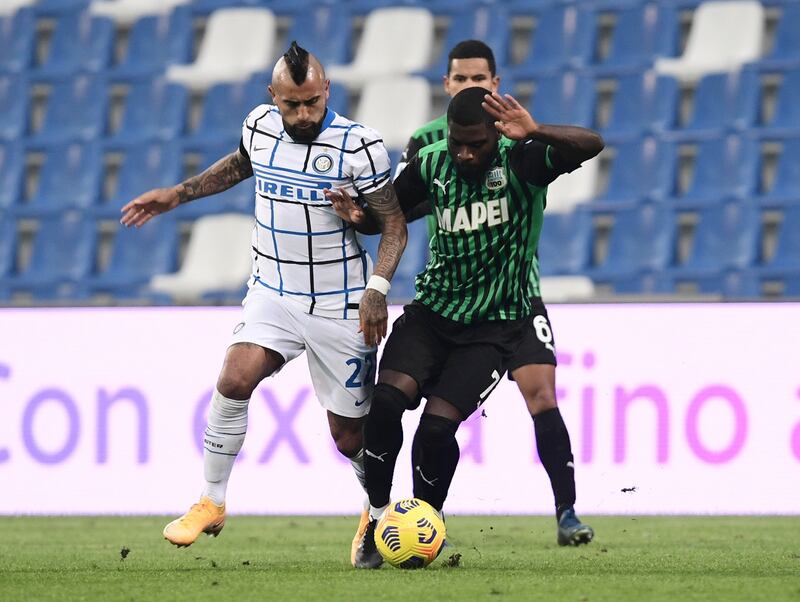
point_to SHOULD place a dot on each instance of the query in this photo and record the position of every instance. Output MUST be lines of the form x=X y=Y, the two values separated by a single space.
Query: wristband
x=379 y=283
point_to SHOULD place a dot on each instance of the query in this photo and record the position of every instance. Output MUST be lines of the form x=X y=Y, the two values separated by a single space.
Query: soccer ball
x=410 y=534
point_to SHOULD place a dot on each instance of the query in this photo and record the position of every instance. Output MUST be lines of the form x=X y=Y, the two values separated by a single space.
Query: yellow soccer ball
x=410 y=534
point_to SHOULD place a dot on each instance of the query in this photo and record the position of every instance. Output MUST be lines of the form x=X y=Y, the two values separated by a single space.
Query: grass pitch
x=307 y=558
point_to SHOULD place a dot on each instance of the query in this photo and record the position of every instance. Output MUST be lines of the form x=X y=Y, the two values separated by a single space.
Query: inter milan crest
x=496 y=179
x=322 y=163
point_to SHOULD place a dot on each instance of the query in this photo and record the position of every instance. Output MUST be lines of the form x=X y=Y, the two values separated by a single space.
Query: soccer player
x=311 y=287
x=471 y=63
x=472 y=315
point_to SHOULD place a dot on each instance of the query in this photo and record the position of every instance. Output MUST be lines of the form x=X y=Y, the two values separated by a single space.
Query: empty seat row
x=565 y=37
x=642 y=250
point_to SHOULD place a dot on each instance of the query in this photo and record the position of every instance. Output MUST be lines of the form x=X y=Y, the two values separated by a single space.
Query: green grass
x=307 y=558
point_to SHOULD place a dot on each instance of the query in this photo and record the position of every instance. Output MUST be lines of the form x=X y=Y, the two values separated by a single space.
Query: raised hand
x=513 y=120
x=344 y=205
x=146 y=206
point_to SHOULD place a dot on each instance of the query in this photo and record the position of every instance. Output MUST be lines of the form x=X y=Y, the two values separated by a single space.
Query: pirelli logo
x=466 y=219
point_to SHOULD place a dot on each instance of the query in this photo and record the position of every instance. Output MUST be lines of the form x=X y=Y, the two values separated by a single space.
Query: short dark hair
x=472 y=49
x=465 y=108
x=297 y=60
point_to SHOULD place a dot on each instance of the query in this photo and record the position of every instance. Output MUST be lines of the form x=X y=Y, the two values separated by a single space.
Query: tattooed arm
x=226 y=172
x=384 y=211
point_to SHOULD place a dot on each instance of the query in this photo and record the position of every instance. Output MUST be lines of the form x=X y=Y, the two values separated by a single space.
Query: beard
x=304 y=135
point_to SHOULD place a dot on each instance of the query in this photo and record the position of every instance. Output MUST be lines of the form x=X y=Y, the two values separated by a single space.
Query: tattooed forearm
x=385 y=209
x=226 y=172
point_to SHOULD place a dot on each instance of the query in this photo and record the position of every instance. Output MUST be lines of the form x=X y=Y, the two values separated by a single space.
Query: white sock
x=223 y=438
x=375 y=513
x=357 y=462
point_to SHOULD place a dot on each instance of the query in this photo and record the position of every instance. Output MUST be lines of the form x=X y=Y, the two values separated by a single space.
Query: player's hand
x=373 y=315
x=344 y=205
x=146 y=206
x=513 y=120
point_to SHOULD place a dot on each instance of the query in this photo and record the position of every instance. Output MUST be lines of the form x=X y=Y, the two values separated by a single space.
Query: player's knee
x=539 y=398
x=349 y=444
x=436 y=431
x=388 y=403
x=235 y=386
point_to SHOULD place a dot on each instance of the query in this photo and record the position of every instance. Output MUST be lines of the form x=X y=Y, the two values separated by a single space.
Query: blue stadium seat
x=8 y=246
x=339 y=100
x=76 y=111
x=17 y=41
x=71 y=178
x=641 y=243
x=564 y=98
x=145 y=166
x=786 y=49
x=642 y=33
x=727 y=237
x=58 y=8
x=80 y=43
x=225 y=107
x=12 y=174
x=724 y=168
x=565 y=245
x=786 y=186
x=786 y=120
x=642 y=170
x=63 y=254
x=643 y=103
x=155 y=110
x=14 y=106
x=412 y=262
x=723 y=102
x=565 y=37
x=325 y=30
x=138 y=254
x=487 y=23
x=785 y=262
x=154 y=43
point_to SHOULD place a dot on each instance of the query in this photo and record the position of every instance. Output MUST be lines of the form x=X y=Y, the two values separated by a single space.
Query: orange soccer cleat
x=203 y=517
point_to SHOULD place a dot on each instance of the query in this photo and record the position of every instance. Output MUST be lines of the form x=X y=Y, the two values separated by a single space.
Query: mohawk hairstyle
x=466 y=108
x=297 y=60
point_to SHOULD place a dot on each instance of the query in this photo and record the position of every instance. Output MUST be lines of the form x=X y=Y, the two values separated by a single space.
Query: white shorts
x=342 y=366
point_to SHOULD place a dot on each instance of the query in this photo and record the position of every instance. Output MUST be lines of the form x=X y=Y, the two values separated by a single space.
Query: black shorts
x=538 y=346
x=460 y=363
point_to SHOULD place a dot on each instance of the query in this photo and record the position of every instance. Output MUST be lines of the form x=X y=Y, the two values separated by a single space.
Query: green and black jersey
x=487 y=231
x=429 y=133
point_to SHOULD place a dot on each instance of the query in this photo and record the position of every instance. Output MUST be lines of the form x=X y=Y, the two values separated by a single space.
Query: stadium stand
x=723 y=37
x=225 y=54
x=154 y=110
x=394 y=107
x=155 y=42
x=215 y=259
x=384 y=50
x=698 y=103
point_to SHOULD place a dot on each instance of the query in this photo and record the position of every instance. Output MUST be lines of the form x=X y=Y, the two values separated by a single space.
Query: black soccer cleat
x=571 y=531
x=367 y=555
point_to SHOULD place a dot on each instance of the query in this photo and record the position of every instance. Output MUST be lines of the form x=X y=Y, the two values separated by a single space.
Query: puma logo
x=440 y=185
x=371 y=455
x=422 y=476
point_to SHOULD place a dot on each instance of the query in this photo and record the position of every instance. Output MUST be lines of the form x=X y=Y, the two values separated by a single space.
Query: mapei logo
x=473 y=217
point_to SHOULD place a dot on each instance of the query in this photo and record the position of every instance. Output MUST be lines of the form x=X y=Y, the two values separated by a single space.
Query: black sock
x=383 y=437
x=555 y=452
x=434 y=456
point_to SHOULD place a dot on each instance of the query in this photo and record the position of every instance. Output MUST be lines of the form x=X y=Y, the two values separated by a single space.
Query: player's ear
x=495 y=83
x=446 y=83
x=327 y=88
x=271 y=91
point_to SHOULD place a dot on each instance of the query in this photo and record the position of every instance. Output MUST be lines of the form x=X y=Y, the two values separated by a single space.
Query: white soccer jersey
x=302 y=250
